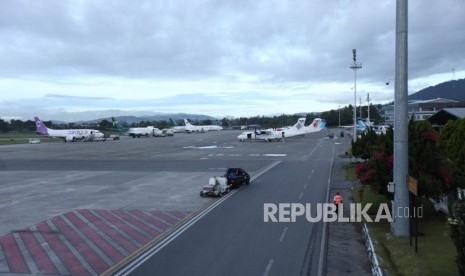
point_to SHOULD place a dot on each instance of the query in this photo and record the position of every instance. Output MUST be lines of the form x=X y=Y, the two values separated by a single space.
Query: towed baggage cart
x=217 y=186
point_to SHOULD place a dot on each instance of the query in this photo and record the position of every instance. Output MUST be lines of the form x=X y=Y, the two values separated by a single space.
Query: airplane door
x=249 y=135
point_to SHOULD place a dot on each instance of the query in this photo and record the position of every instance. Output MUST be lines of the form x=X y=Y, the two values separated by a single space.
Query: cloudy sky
x=223 y=57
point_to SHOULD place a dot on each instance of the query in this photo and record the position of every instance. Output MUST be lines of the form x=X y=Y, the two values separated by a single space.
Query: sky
x=73 y=60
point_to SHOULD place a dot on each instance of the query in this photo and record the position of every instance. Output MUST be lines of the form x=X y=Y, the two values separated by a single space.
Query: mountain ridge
x=452 y=90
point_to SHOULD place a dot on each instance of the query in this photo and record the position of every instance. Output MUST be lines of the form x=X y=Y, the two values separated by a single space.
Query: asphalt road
x=111 y=197
x=233 y=238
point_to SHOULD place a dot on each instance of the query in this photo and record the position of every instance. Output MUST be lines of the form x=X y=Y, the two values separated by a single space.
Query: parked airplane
x=267 y=135
x=175 y=127
x=300 y=129
x=204 y=128
x=362 y=126
x=144 y=131
x=68 y=135
x=278 y=134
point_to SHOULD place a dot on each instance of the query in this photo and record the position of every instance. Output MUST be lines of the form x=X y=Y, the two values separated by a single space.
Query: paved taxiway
x=39 y=182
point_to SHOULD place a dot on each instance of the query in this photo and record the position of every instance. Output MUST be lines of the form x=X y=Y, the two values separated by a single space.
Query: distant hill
x=452 y=90
x=157 y=117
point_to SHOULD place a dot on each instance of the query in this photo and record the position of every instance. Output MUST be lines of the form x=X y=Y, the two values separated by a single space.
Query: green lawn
x=350 y=172
x=436 y=252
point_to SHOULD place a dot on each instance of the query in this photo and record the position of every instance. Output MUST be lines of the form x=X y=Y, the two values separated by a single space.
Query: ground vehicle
x=217 y=186
x=168 y=132
x=237 y=177
x=34 y=141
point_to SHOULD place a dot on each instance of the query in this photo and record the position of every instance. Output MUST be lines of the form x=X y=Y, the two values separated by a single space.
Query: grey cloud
x=279 y=40
x=67 y=97
x=281 y=44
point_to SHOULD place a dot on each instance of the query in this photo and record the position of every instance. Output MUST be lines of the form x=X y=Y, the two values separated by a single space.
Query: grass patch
x=13 y=138
x=350 y=172
x=365 y=195
x=436 y=252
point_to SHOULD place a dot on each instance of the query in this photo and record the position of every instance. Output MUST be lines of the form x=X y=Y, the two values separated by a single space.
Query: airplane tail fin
x=41 y=128
x=322 y=124
x=186 y=122
x=172 y=122
x=300 y=123
x=318 y=124
x=361 y=126
x=116 y=125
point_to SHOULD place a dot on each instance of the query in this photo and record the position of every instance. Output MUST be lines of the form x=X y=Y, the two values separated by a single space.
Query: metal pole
x=401 y=195
x=355 y=105
x=355 y=66
x=339 y=108
x=360 y=102
x=368 y=100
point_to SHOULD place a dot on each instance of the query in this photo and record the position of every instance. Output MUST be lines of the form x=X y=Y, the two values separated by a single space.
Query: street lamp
x=355 y=66
x=339 y=109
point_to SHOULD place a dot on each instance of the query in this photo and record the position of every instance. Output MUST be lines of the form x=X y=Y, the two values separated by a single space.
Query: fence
x=375 y=268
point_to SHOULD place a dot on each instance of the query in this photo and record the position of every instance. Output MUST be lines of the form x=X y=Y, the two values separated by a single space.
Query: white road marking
x=283 y=234
x=208 y=147
x=305 y=186
x=325 y=225
x=301 y=195
x=268 y=267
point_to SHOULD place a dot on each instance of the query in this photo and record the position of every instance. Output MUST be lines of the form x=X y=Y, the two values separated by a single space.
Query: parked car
x=237 y=177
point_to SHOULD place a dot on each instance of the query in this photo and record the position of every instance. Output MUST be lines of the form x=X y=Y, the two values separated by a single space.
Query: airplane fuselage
x=144 y=131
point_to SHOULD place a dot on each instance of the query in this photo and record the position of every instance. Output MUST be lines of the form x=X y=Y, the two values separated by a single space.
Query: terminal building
x=420 y=109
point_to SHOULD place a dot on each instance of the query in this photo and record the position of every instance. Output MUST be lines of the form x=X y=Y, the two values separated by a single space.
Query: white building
x=420 y=109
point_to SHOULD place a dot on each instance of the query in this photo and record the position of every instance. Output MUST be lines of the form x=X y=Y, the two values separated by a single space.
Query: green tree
x=452 y=141
x=105 y=125
x=426 y=161
x=4 y=126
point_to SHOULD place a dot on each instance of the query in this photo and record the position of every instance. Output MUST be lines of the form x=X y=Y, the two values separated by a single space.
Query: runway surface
x=90 y=205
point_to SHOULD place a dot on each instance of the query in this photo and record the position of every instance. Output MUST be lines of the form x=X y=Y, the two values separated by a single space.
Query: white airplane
x=68 y=135
x=144 y=131
x=295 y=130
x=266 y=135
x=204 y=128
x=278 y=134
x=300 y=129
x=177 y=128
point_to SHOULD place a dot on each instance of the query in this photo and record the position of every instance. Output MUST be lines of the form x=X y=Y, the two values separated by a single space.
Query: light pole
x=355 y=66
x=400 y=225
x=339 y=109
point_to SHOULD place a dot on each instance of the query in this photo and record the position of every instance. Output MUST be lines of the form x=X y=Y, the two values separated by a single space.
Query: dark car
x=237 y=177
